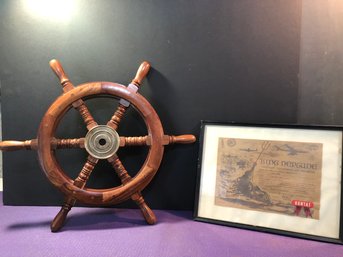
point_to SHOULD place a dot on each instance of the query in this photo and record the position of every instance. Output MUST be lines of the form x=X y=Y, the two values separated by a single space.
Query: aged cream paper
x=271 y=176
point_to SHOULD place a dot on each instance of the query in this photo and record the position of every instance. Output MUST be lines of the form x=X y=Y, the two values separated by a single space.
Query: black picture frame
x=326 y=138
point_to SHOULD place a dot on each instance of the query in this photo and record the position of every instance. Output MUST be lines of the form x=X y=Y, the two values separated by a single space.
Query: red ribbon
x=302 y=204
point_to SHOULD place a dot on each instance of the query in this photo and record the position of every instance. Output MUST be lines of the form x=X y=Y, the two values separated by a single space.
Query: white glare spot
x=55 y=10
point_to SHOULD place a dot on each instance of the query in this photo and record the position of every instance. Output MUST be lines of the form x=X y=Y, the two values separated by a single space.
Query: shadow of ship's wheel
x=101 y=142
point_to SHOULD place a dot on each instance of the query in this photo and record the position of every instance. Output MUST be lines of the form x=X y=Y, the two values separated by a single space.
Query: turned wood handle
x=148 y=214
x=59 y=220
x=58 y=70
x=182 y=139
x=33 y=144
x=141 y=73
x=18 y=145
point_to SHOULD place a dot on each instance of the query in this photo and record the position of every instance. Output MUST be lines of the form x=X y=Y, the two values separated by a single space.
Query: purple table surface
x=25 y=231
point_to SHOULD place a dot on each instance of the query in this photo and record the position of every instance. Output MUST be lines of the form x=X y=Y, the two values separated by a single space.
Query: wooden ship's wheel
x=100 y=142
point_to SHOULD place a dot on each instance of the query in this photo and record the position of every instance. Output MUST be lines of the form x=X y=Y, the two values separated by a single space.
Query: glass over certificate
x=284 y=179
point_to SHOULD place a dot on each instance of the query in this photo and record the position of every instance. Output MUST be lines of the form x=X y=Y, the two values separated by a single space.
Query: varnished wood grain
x=69 y=202
x=121 y=109
x=68 y=143
x=117 y=117
x=100 y=196
x=135 y=141
x=79 y=105
x=181 y=139
x=137 y=197
x=32 y=144
x=12 y=145
x=141 y=73
x=75 y=190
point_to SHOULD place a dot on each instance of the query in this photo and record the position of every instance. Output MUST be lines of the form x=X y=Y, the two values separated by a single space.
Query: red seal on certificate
x=299 y=205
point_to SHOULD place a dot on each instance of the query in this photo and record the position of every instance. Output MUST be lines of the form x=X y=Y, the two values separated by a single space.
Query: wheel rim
x=55 y=173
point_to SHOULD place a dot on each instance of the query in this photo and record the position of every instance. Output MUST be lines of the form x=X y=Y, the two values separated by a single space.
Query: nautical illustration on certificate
x=269 y=176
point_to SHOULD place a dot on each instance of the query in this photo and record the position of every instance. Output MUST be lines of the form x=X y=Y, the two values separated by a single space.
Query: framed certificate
x=275 y=178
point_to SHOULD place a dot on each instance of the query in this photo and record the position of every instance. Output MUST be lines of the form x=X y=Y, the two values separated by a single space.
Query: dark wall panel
x=214 y=60
x=321 y=63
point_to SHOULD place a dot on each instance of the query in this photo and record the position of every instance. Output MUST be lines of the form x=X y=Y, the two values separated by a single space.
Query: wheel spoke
x=166 y=140
x=68 y=143
x=135 y=141
x=133 y=87
x=117 y=116
x=119 y=169
x=67 y=86
x=86 y=171
x=80 y=142
x=69 y=201
x=136 y=197
x=33 y=144
x=85 y=114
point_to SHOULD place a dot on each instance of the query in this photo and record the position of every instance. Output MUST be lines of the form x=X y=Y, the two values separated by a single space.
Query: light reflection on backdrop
x=52 y=10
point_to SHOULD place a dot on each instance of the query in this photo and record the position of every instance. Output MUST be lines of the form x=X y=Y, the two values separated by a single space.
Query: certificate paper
x=270 y=176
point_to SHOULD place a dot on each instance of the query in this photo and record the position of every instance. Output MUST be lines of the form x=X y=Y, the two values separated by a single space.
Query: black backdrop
x=228 y=60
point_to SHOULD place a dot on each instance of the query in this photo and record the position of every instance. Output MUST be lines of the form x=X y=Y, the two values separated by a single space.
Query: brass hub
x=102 y=142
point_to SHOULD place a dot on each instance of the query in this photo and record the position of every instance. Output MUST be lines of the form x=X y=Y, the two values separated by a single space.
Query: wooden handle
x=80 y=182
x=33 y=144
x=182 y=139
x=59 y=220
x=58 y=70
x=61 y=216
x=137 y=197
x=18 y=145
x=148 y=214
x=141 y=73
